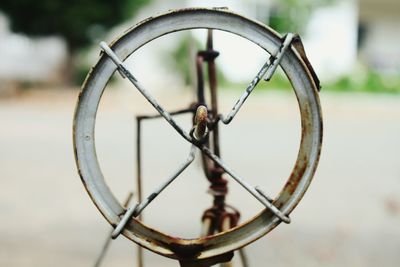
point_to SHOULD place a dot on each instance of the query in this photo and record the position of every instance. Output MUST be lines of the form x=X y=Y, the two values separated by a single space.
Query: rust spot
x=226 y=257
x=186 y=251
x=295 y=177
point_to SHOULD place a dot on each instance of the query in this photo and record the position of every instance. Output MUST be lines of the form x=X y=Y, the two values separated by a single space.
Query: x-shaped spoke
x=199 y=132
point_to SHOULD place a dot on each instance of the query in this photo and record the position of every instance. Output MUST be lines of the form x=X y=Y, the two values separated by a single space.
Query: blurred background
x=351 y=212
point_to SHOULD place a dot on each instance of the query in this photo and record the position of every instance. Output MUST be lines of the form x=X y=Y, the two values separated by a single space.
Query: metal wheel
x=285 y=51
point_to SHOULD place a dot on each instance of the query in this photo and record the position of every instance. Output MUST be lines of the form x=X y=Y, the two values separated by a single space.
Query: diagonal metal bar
x=243 y=257
x=136 y=208
x=245 y=95
x=267 y=70
x=126 y=73
x=106 y=244
x=260 y=197
x=153 y=195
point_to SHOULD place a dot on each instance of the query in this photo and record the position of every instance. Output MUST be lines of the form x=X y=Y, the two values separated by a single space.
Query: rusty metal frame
x=206 y=248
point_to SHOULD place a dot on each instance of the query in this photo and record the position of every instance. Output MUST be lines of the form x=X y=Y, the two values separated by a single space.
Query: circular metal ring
x=311 y=124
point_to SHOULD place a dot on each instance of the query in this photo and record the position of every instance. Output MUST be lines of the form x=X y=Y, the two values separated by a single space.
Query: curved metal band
x=306 y=163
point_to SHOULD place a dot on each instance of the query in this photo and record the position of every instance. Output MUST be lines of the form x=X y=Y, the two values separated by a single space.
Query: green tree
x=77 y=21
x=293 y=15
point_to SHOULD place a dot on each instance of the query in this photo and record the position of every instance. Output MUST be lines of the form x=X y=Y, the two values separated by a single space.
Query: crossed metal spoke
x=199 y=132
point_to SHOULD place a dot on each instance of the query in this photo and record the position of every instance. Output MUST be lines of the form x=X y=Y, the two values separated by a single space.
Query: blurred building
x=336 y=38
x=29 y=60
x=379 y=38
x=330 y=39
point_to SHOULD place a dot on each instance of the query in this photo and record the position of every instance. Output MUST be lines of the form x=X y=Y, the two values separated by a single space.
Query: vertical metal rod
x=206 y=162
x=200 y=80
x=226 y=225
x=139 y=186
x=139 y=161
x=206 y=227
x=139 y=181
x=212 y=77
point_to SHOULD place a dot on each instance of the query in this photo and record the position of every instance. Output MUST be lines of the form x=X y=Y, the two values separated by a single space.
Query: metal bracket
x=267 y=70
x=298 y=45
x=277 y=58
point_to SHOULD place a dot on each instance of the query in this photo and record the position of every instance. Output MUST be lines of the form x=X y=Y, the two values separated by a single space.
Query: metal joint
x=276 y=59
x=208 y=55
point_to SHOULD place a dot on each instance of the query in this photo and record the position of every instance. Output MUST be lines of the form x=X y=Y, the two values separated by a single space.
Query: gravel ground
x=349 y=217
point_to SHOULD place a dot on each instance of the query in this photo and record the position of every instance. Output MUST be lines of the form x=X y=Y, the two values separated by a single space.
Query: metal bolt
x=200 y=123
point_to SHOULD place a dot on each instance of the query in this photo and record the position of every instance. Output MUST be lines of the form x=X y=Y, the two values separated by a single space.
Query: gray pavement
x=349 y=217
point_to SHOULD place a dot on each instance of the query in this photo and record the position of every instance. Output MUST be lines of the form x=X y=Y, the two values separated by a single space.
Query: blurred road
x=349 y=217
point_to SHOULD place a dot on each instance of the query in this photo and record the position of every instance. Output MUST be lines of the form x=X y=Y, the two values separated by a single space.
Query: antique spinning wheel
x=220 y=238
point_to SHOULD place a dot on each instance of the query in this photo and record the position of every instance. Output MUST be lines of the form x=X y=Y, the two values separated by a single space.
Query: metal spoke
x=107 y=242
x=127 y=74
x=277 y=58
x=243 y=257
x=153 y=195
x=136 y=208
x=266 y=201
x=246 y=94
x=267 y=70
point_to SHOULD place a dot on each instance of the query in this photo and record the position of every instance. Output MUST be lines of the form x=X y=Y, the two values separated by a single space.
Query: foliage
x=180 y=57
x=78 y=21
x=184 y=54
x=359 y=81
x=369 y=81
x=278 y=82
x=293 y=15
